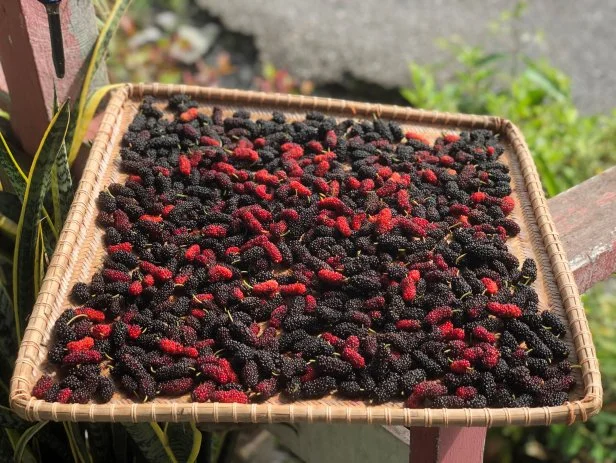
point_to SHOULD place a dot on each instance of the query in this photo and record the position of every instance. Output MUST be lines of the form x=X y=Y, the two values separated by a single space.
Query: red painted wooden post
x=585 y=218
x=25 y=53
x=447 y=445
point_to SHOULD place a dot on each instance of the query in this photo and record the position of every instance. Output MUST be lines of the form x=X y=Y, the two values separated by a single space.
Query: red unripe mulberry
x=86 y=343
x=466 y=392
x=192 y=252
x=429 y=176
x=490 y=285
x=134 y=331
x=135 y=288
x=321 y=169
x=504 y=310
x=332 y=339
x=460 y=366
x=170 y=346
x=342 y=225
x=277 y=315
x=245 y=154
x=151 y=218
x=209 y=141
x=294 y=289
x=300 y=189
x=352 y=342
x=472 y=354
x=315 y=146
x=408 y=289
x=189 y=115
x=408 y=325
x=331 y=277
x=403 y=200
x=265 y=288
x=219 y=273
x=429 y=389
x=459 y=209
x=272 y=251
x=480 y=333
x=203 y=391
x=335 y=204
x=507 y=204
x=228 y=397
x=438 y=315
x=115 y=275
x=353 y=357
x=92 y=314
x=184 y=165
x=214 y=231
x=101 y=331
x=64 y=396
x=127 y=247
x=311 y=304
x=42 y=386
x=478 y=197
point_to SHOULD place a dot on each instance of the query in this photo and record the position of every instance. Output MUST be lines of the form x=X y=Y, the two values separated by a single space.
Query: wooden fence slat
x=585 y=218
x=25 y=52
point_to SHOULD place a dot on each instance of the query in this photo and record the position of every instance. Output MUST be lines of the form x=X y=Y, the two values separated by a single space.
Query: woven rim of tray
x=62 y=264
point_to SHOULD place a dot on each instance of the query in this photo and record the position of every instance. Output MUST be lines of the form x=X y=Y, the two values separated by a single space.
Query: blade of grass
x=38 y=182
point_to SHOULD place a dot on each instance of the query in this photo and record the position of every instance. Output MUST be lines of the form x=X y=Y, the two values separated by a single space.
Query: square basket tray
x=80 y=252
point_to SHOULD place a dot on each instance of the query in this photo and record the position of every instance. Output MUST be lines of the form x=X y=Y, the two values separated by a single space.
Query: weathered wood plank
x=585 y=218
x=25 y=52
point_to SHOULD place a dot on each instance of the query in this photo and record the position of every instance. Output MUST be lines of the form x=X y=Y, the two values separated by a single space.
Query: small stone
x=167 y=20
x=145 y=36
x=192 y=43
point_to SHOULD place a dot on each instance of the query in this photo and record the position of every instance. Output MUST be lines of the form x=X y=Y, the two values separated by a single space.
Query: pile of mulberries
x=248 y=258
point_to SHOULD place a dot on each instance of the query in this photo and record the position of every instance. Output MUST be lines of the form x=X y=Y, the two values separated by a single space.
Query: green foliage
x=568 y=147
x=24 y=268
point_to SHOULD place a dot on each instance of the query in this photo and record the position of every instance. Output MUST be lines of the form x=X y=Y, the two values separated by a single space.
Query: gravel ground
x=324 y=40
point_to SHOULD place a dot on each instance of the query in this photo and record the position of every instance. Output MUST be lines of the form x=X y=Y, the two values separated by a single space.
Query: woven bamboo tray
x=80 y=252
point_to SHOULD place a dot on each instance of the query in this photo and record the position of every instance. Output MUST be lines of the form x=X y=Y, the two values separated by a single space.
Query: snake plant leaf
x=27 y=230
x=10 y=205
x=100 y=441
x=8 y=419
x=184 y=440
x=8 y=344
x=77 y=441
x=24 y=440
x=151 y=441
x=96 y=59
